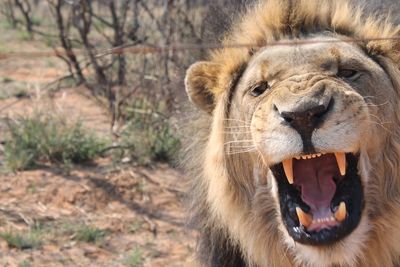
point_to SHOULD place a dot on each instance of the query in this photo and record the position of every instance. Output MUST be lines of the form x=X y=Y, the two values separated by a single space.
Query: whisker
x=369 y=96
x=249 y=146
x=238 y=126
x=379 y=124
x=243 y=130
x=379 y=121
x=241 y=151
x=238 y=142
x=238 y=129
x=237 y=120
x=376 y=105
x=237 y=133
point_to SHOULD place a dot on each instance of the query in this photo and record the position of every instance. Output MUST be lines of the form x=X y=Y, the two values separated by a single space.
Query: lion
x=295 y=157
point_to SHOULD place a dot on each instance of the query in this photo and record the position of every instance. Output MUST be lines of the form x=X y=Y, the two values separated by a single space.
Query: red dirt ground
x=138 y=208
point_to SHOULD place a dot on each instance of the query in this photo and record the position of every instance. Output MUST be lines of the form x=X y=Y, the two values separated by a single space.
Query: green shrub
x=82 y=232
x=36 y=21
x=89 y=234
x=24 y=35
x=24 y=264
x=47 y=139
x=29 y=240
x=135 y=258
x=11 y=88
x=148 y=135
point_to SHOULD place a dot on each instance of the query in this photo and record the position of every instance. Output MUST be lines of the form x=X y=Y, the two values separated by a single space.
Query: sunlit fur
x=229 y=189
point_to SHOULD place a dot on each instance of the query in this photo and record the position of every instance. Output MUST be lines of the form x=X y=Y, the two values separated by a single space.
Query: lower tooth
x=341 y=212
x=304 y=218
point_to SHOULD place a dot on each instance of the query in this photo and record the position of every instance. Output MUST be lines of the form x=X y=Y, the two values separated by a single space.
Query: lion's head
x=301 y=165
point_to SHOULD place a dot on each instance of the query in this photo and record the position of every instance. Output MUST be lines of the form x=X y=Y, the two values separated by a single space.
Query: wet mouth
x=320 y=196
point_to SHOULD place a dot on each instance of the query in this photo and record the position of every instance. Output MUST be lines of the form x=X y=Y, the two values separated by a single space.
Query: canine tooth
x=288 y=168
x=304 y=218
x=319 y=155
x=298 y=157
x=341 y=161
x=340 y=214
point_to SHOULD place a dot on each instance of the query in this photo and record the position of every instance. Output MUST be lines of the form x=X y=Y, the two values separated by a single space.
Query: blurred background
x=92 y=106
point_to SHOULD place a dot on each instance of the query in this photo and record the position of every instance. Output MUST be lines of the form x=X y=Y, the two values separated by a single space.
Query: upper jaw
x=288 y=163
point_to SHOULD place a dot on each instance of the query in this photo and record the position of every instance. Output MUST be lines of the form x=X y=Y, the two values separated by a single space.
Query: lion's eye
x=347 y=73
x=259 y=89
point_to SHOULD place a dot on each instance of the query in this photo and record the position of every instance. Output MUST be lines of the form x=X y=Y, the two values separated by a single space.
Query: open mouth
x=320 y=196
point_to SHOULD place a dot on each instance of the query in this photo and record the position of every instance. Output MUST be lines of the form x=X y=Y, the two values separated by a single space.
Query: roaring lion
x=296 y=157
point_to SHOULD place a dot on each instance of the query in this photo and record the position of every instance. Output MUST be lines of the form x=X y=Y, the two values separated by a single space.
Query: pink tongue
x=315 y=177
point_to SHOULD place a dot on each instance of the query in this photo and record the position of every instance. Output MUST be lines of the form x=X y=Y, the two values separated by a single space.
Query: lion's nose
x=304 y=111
x=306 y=119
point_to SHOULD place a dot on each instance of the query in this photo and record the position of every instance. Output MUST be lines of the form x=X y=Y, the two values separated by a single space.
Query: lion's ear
x=201 y=79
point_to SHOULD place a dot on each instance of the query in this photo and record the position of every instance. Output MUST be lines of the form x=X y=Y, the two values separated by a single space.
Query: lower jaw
x=349 y=190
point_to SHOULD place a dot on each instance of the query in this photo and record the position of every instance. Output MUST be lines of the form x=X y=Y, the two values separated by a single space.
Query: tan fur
x=268 y=22
x=232 y=190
